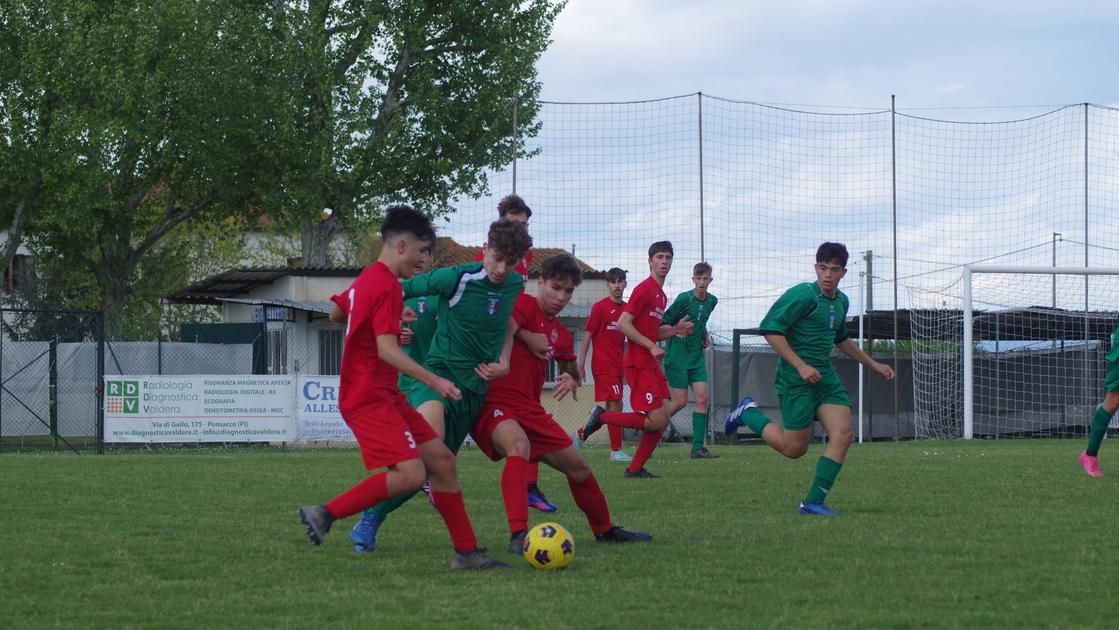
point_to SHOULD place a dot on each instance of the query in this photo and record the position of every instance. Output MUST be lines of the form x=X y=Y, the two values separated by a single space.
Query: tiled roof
x=449 y=252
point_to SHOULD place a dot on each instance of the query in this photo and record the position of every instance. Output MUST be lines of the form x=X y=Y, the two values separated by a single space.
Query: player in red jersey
x=606 y=362
x=514 y=208
x=641 y=324
x=390 y=433
x=514 y=425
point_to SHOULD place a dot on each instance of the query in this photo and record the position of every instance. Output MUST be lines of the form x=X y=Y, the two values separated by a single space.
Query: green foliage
x=934 y=534
x=159 y=112
x=401 y=100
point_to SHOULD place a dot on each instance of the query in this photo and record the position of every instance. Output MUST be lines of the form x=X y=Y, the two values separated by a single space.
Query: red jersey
x=521 y=268
x=525 y=380
x=607 y=339
x=646 y=305
x=373 y=306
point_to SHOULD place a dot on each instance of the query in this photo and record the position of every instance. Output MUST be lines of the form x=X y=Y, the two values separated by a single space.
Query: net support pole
x=699 y=132
x=516 y=101
x=1087 y=343
x=862 y=320
x=894 y=221
x=969 y=368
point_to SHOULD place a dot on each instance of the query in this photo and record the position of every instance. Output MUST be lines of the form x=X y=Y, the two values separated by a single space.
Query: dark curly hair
x=562 y=266
x=509 y=238
x=513 y=204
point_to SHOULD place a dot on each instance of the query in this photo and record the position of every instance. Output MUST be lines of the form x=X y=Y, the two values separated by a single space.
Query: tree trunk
x=113 y=281
x=19 y=220
x=317 y=235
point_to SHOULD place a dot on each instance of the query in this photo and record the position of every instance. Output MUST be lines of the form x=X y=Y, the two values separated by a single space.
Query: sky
x=852 y=53
x=779 y=177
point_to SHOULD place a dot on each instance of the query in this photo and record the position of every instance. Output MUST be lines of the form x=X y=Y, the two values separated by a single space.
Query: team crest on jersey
x=831 y=317
x=421 y=307
x=492 y=302
x=497 y=413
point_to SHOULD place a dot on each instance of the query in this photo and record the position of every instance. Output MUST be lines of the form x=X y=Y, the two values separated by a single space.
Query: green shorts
x=682 y=378
x=459 y=416
x=800 y=401
x=1111 y=383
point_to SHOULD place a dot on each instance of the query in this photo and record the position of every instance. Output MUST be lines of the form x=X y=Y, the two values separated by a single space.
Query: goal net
x=1012 y=351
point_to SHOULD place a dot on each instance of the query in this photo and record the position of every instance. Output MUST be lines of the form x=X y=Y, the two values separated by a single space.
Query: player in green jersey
x=1089 y=459
x=802 y=327
x=684 y=364
x=471 y=346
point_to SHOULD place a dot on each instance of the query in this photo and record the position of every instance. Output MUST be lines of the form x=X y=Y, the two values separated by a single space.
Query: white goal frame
x=968 y=320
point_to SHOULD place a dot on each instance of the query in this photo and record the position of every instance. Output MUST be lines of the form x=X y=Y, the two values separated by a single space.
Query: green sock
x=1100 y=420
x=699 y=429
x=755 y=419
x=827 y=470
x=384 y=508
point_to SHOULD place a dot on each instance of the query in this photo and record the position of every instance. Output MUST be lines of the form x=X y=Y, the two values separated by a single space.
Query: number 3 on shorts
x=411 y=440
x=649 y=397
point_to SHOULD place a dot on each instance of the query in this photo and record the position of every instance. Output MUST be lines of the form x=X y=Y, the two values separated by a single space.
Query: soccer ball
x=549 y=547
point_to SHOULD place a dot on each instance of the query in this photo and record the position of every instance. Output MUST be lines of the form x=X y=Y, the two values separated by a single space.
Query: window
x=330 y=352
x=277 y=352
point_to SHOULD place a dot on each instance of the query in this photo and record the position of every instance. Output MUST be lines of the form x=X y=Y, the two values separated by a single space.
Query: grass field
x=981 y=534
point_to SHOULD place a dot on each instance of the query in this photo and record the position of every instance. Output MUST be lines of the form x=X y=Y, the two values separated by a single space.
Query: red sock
x=615 y=437
x=588 y=496
x=513 y=491
x=370 y=492
x=626 y=419
x=453 y=511
x=645 y=448
x=532 y=472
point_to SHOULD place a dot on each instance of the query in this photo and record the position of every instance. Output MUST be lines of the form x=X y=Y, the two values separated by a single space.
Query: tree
x=159 y=113
x=401 y=100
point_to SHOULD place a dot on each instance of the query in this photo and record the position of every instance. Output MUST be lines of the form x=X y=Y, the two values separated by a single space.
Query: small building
x=284 y=311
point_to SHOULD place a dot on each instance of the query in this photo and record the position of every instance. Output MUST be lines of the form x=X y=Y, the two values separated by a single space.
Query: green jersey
x=1113 y=354
x=687 y=352
x=472 y=316
x=812 y=323
x=426 y=308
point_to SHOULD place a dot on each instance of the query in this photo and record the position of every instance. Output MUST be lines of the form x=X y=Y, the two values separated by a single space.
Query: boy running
x=516 y=427
x=606 y=362
x=472 y=343
x=390 y=432
x=1089 y=459
x=801 y=327
x=684 y=364
x=641 y=324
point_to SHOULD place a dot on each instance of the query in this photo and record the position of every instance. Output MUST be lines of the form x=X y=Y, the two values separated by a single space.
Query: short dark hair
x=829 y=252
x=513 y=204
x=562 y=266
x=615 y=274
x=660 y=246
x=402 y=219
x=701 y=268
x=509 y=238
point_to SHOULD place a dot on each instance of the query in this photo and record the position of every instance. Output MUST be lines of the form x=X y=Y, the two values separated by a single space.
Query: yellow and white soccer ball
x=549 y=547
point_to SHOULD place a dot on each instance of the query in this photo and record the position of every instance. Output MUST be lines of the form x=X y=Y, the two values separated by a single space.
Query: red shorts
x=648 y=388
x=607 y=386
x=389 y=432
x=545 y=435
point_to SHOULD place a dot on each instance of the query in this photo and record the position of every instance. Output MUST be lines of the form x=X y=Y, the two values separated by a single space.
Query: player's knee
x=441 y=465
x=842 y=437
x=656 y=423
x=795 y=451
x=412 y=478
x=518 y=447
x=578 y=470
x=701 y=403
x=1111 y=402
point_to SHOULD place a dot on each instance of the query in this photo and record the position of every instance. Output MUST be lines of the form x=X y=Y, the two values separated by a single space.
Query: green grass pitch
x=979 y=534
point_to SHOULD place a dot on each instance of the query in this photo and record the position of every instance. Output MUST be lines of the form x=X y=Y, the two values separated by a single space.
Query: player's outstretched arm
x=537 y=343
x=581 y=361
x=781 y=346
x=849 y=348
x=682 y=328
x=388 y=350
x=625 y=324
x=493 y=371
x=567 y=382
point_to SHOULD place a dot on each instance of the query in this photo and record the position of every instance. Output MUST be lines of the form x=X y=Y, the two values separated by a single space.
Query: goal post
x=1030 y=323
